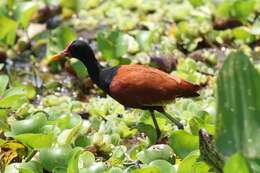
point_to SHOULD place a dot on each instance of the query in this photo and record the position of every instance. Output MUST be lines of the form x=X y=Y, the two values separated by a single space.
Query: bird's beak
x=58 y=56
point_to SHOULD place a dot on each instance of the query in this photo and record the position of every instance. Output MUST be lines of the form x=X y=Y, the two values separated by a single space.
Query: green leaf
x=115 y=170
x=71 y=4
x=61 y=37
x=4 y=80
x=79 y=68
x=3 y=120
x=32 y=124
x=242 y=8
x=180 y=141
x=55 y=158
x=14 y=91
x=28 y=90
x=73 y=162
x=68 y=135
x=118 y=155
x=25 y=12
x=35 y=140
x=87 y=158
x=155 y=152
x=8 y=30
x=255 y=28
x=255 y=165
x=238 y=100
x=236 y=164
x=112 y=44
x=239 y=9
x=164 y=166
x=13 y=102
x=191 y=164
x=30 y=167
x=197 y=2
x=147 y=169
x=146 y=39
x=12 y=168
x=149 y=131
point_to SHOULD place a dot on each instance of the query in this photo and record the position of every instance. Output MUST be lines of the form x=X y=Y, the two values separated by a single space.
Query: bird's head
x=77 y=49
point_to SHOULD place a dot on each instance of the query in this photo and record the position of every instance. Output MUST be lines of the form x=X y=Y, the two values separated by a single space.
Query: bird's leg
x=172 y=119
x=158 y=131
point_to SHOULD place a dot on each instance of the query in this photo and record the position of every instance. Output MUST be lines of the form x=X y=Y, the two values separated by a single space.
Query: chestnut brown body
x=140 y=86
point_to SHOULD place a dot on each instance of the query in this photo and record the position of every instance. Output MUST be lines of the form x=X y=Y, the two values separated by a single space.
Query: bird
x=133 y=85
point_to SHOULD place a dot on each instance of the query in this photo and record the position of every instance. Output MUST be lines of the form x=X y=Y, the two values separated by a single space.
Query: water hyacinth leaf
x=13 y=102
x=238 y=100
x=12 y=168
x=30 y=167
x=14 y=91
x=79 y=68
x=8 y=30
x=255 y=165
x=155 y=152
x=149 y=131
x=239 y=9
x=97 y=167
x=112 y=44
x=236 y=164
x=3 y=120
x=255 y=28
x=55 y=157
x=147 y=38
x=191 y=164
x=197 y=2
x=180 y=141
x=32 y=124
x=36 y=140
x=118 y=155
x=28 y=89
x=68 y=135
x=4 y=80
x=115 y=170
x=73 y=162
x=71 y=4
x=62 y=36
x=25 y=12
x=242 y=9
x=87 y=158
x=164 y=166
x=147 y=169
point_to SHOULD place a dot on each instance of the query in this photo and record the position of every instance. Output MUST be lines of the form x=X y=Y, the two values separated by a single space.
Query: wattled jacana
x=135 y=86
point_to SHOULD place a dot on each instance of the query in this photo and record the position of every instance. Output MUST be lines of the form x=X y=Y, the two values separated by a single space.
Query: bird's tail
x=190 y=90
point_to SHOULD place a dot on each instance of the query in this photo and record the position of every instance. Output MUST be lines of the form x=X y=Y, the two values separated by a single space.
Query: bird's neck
x=93 y=66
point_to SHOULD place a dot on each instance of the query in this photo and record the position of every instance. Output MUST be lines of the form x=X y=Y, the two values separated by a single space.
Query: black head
x=79 y=49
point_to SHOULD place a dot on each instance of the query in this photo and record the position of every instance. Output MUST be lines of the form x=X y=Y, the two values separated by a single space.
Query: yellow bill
x=56 y=57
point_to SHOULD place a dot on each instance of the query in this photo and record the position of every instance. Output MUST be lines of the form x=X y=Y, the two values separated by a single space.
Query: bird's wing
x=138 y=86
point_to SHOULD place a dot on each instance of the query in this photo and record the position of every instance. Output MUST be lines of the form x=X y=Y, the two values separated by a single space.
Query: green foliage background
x=57 y=121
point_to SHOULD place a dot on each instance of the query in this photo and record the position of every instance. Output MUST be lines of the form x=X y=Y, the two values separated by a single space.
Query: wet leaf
x=3 y=83
x=236 y=164
x=8 y=31
x=73 y=163
x=180 y=141
x=238 y=98
x=149 y=131
x=35 y=140
x=147 y=169
x=112 y=44
x=164 y=166
x=192 y=164
x=25 y=12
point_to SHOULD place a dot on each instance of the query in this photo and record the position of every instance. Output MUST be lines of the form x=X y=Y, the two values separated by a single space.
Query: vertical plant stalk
x=209 y=152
